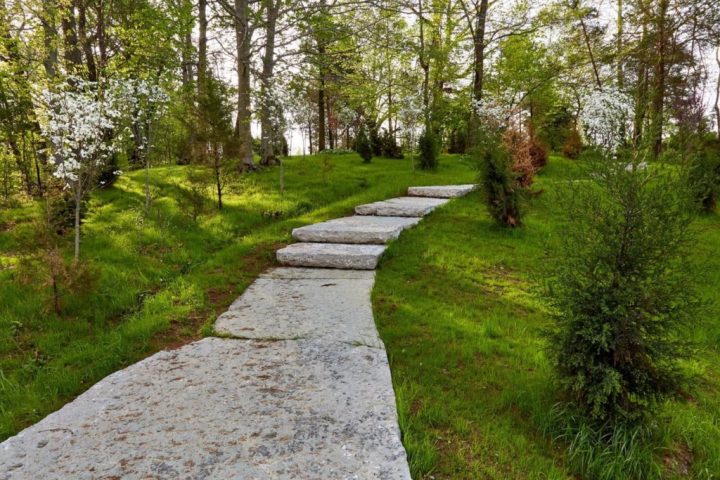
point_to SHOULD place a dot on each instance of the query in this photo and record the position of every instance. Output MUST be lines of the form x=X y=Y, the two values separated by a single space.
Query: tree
x=216 y=136
x=145 y=103
x=78 y=115
x=622 y=291
x=362 y=145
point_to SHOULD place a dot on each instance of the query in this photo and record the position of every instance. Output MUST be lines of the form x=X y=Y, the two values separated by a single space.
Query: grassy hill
x=458 y=303
x=160 y=278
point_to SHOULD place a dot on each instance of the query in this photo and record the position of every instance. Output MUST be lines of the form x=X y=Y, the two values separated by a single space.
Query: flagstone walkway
x=296 y=384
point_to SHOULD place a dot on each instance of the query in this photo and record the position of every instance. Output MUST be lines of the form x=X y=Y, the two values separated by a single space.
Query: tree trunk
x=425 y=65
x=242 y=125
x=202 y=47
x=266 y=126
x=187 y=75
x=86 y=44
x=478 y=34
x=73 y=56
x=310 y=142
x=590 y=53
x=78 y=200
x=330 y=123
x=479 y=50
x=659 y=74
x=101 y=34
x=218 y=176
x=321 y=107
x=49 y=38
x=619 y=46
x=641 y=98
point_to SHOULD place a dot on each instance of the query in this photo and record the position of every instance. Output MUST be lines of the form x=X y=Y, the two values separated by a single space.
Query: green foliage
x=622 y=292
x=374 y=137
x=362 y=145
x=555 y=127
x=214 y=114
x=503 y=195
x=458 y=141
x=389 y=146
x=429 y=146
x=704 y=173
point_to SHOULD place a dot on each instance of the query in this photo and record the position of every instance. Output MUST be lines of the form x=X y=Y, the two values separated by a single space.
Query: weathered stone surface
x=331 y=255
x=337 y=309
x=221 y=408
x=441 y=191
x=356 y=229
x=326 y=273
x=401 y=207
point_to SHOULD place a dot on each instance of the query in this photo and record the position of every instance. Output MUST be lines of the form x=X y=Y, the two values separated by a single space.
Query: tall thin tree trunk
x=425 y=65
x=187 y=76
x=202 y=47
x=321 y=106
x=49 y=38
x=218 y=175
x=641 y=98
x=78 y=200
x=266 y=126
x=101 y=35
x=86 y=43
x=310 y=142
x=242 y=125
x=479 y=50
x=590 y=53
x=330 y=127
x=659 y=74
x=619 y=46
x=73 y=56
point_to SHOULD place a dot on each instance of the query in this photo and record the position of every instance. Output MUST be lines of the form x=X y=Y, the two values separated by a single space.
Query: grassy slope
x=163 y=277
x=458 y=306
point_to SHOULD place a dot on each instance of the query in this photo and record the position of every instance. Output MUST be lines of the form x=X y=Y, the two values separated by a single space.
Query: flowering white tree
x=606 y=116
x=144 y=103
x=78 y=114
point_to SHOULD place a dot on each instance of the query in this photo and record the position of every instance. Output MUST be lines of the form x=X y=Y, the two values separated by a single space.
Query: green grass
x=162 y=278
x=458 y=303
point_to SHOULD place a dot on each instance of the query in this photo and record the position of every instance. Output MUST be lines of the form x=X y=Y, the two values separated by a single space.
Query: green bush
x=503 y=194
x=374 y=138
x=390 y=147
x=622 y=292
x=704 y=173
x=429 y=146
x=362 y=145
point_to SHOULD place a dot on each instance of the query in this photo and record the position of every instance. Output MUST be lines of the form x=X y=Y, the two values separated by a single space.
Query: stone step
x=225 y=408
x=331 y=255
x=317 y=303
x=356 y=229
x=401 y=207
x=441 y=191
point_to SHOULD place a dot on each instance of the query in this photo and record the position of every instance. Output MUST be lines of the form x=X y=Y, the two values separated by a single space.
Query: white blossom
x=77 y=116
x=606 y=117
x=496 y=112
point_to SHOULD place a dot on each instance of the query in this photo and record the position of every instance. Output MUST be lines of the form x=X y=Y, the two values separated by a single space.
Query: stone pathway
x=298 y=387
